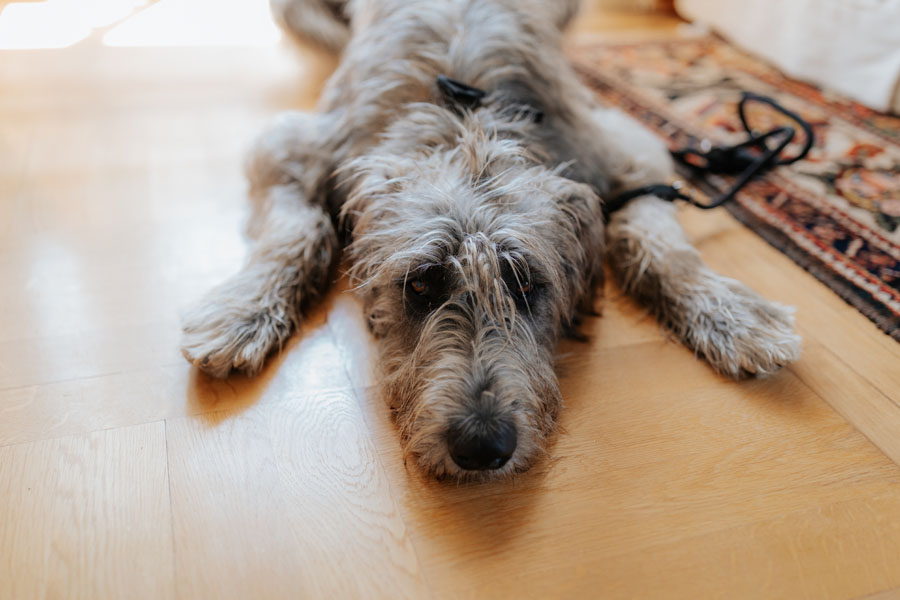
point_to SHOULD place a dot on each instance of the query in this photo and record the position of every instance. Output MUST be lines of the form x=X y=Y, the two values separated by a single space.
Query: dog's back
x=509 y=48
x=328 y=22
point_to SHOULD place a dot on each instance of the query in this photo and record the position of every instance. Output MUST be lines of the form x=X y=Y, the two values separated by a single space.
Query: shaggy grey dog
x=475 y=234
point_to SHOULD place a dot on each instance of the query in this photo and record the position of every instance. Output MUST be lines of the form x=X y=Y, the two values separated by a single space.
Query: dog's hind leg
x=322 y=22
x=237 y=324
x=738 y=332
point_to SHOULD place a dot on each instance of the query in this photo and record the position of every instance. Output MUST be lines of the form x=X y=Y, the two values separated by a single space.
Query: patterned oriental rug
x=836 y=213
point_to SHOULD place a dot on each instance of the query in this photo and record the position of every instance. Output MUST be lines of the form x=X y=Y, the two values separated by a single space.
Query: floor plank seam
x=884 y=394
x=856 y=427
x=171 y=512
x=80 y=433
x=15 y=388
x=370 y=428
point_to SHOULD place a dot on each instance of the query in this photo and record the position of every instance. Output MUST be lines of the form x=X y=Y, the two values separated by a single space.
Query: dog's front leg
x=739 y=332
x=237 y=324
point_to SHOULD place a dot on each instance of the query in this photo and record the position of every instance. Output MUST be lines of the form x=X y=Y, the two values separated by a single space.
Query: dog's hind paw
x=740 y=333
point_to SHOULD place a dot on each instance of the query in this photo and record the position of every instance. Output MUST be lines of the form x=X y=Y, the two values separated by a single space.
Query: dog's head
x=471 y=257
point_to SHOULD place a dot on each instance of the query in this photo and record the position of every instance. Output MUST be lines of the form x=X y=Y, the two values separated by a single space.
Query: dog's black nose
x=484 y=449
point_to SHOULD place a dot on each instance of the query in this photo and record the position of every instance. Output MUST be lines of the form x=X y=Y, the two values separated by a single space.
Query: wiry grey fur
x=496 y=216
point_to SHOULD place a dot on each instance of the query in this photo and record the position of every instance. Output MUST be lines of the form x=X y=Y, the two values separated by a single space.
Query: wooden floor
x=125 y=474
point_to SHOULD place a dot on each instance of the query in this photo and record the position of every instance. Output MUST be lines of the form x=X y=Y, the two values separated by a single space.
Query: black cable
x=747 y=160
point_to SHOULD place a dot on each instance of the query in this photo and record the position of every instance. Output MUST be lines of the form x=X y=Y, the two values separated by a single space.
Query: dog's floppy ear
x=580 y=211
x=374 y=176
x=580 y=204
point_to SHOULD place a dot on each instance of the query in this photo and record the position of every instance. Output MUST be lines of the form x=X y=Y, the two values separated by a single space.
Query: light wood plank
x=87 y=517
x=833 y=551
x=124 y=200
x=852 y=364
x=300 y=481
x=821 y=314
x=310 y=360
x=642 y=472
x=875 y=414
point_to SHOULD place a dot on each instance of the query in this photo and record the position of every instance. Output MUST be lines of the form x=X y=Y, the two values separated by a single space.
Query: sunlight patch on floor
x=62 y=23
x=58 y=23
x=198 y=23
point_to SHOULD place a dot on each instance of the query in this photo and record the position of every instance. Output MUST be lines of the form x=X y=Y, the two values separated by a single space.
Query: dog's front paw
x=221 y=334
x=740 y=333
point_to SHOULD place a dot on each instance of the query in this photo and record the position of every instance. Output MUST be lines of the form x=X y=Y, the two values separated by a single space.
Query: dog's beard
x=450 y=372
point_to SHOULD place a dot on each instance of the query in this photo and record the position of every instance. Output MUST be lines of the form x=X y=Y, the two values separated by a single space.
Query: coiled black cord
x=747 y=160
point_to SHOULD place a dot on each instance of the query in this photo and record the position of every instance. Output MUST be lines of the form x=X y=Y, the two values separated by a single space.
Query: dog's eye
x=525 y=288
x=424 y=290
